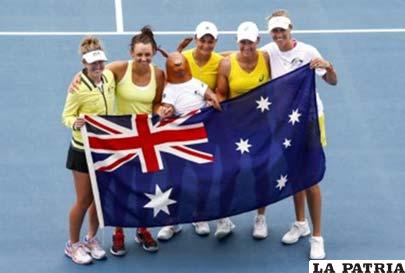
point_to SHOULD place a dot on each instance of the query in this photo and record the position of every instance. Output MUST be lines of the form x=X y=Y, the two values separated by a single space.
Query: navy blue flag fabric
x=262 y=147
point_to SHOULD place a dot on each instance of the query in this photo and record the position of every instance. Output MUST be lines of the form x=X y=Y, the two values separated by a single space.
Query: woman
x=138 y=91
x=288 y=54
x=238 y=73
x=95 y=95
x=203 y=62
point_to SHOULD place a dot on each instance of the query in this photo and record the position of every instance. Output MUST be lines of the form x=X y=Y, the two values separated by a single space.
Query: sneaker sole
x=205 y=233
x=146 y=249
x=202 y=234
x=259 y=237
x=95 y=257
x=118 y=253
x=151 y=250
x=99 y=258
x=318 y=258
x=75 y=261
x=293 y=242
x=68 y=255
x=164 y=239
x=222 y=235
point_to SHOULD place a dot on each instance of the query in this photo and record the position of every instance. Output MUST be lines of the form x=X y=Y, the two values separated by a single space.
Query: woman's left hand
x=165 y=111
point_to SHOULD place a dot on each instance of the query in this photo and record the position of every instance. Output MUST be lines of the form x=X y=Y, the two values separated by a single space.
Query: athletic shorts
x=76 y=160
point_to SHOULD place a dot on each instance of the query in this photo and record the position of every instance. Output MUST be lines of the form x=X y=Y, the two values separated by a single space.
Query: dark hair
x=145 y=37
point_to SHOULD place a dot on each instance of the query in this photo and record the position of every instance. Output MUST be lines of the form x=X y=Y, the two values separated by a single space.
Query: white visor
x=279 y=22
x=94 y=56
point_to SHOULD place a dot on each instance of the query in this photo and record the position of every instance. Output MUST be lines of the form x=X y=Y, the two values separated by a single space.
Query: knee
x=314 y=190
x=84 y=203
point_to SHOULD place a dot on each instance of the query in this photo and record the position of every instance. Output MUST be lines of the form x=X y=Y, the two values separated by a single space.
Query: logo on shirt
x=297 y=62
x=261 y=78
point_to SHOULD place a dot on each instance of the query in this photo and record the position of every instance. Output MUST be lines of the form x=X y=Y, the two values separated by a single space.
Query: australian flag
x=207 y=164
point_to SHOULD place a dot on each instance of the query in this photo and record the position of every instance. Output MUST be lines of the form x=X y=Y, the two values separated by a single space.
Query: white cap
x=94 y=56
x=279 y=22
x=204 y=28
x=247 y=31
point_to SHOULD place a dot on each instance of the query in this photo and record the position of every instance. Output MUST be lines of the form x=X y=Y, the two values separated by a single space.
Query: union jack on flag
x=207 y=164
x=147 y=141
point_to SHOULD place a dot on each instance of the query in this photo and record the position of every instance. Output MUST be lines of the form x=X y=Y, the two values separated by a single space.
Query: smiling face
x=177 y=68
x=142 y=54
x=94 y=70
x=205 y=45
x=282 y=37
x=247 y=48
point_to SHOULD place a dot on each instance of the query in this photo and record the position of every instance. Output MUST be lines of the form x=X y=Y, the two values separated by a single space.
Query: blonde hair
x=90 y=43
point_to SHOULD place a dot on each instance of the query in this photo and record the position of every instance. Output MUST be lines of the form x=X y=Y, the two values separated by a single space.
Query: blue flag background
x=266 y=147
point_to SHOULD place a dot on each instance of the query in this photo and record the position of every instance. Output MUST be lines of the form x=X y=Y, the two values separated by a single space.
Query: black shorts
x=76 y=160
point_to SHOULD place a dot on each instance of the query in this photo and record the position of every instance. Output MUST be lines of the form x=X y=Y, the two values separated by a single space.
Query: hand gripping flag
x=207 y=164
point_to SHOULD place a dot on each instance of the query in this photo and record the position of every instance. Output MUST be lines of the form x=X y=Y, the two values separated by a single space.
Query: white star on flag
x=159 y=201
x=243 y=146
x=294 y=117
x=287 y=143
x=263 y=104
x=281 y=182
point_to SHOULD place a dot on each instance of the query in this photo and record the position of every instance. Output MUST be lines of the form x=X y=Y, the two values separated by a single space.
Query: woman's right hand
x=79 y=122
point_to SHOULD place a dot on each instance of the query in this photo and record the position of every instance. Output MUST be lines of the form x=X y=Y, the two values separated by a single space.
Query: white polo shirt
x=185 y=96
x=283 y=62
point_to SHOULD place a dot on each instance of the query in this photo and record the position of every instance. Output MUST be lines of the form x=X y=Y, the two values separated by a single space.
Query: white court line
x=119 y=22
x=174 y=33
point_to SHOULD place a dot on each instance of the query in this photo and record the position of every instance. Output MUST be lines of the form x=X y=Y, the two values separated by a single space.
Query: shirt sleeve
x=71 y=109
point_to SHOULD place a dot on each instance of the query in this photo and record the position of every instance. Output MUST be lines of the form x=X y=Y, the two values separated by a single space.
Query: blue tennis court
x=363 y=207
